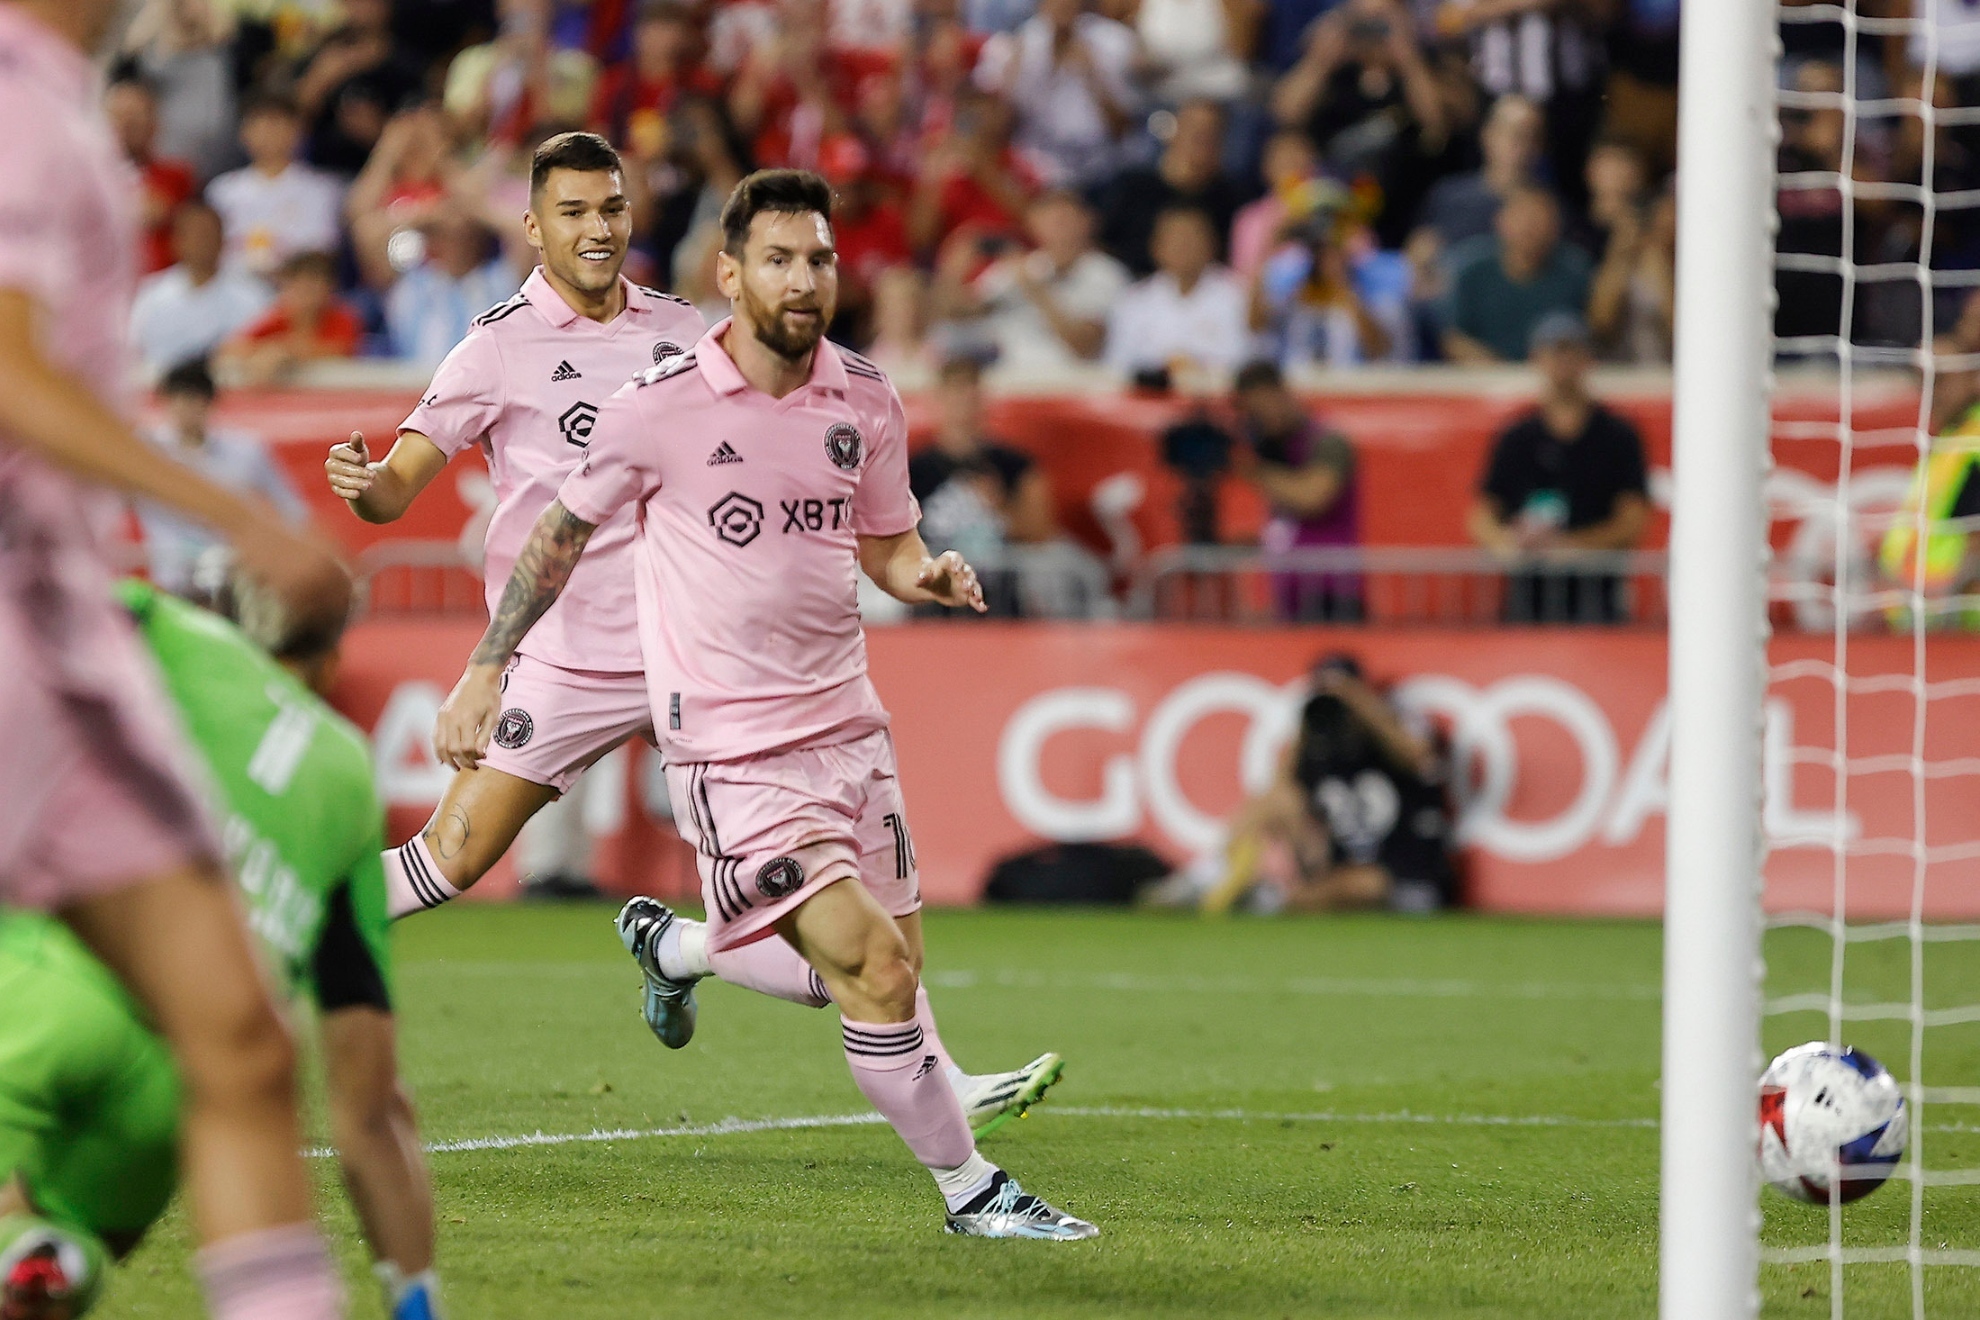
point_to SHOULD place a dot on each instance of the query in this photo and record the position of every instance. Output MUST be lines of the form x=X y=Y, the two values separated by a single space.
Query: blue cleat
x=667 y=1005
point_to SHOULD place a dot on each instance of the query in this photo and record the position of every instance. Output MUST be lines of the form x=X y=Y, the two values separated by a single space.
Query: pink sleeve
x=883 y=505
x=464 y=398
x=32 y=223
x=610 y=474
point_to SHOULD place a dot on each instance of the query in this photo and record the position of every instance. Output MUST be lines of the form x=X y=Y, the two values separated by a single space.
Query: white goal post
x=1709 y=1249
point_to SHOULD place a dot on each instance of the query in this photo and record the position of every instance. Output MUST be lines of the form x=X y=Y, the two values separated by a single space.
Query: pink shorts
x=771 y=831
x=556 y=723
x=97 y=791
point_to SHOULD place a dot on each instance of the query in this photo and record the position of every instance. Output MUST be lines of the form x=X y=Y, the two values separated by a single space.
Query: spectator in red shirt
x=409 y=181
x=869 y=227
x=132 y=107
x=308 y=322
x=634 y=100
x=887 y=126
x=792 y=91
x=973 y=186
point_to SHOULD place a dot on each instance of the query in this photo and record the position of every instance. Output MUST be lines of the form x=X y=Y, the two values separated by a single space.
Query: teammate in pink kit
x=100 y=819
x=767 y=469
x=527 y=385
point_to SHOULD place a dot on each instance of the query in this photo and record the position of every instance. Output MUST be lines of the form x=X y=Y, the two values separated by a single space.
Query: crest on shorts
x=663 y=350
x=780 y=877
x=843 y=445
x=514 y=728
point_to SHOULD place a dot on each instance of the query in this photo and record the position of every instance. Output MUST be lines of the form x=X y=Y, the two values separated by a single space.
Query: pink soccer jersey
x=90 y=721
x=526 y=385
x=750 y=509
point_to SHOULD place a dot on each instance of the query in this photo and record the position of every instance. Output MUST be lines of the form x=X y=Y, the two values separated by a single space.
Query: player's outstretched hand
x=951 y=581
x=467 y=718
x=302 y=569
x=349 y=468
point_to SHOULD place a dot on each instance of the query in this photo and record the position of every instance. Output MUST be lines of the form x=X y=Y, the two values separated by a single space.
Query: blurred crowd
x=1160 y=186
x=1188 y=193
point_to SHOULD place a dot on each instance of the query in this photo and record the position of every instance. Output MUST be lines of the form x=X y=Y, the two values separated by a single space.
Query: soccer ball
x=1829 y=1117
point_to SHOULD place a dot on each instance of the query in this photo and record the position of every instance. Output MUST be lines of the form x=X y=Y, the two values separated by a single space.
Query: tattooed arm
x=467 y=719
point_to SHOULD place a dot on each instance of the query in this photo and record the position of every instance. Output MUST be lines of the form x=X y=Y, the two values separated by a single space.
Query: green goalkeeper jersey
x=292 y=783
x=88 y=1096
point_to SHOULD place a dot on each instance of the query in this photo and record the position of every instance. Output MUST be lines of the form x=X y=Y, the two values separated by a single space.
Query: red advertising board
x=1010 y=734
x=1419 y=456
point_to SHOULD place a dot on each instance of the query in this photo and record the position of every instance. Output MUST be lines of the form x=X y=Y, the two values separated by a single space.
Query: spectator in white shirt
x=1068 y=74
x=1046 y=309
x=174 y=546
x=429 y=308
x=189 y=309
x=275 y=206
x=1189 y=316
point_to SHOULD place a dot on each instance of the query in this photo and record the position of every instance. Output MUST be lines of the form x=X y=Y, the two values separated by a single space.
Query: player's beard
x=777 y=334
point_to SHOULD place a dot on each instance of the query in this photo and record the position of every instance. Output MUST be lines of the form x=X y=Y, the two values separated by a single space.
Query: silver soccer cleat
x=994 y=1099
x=667 y=1005
x=1006 y=1210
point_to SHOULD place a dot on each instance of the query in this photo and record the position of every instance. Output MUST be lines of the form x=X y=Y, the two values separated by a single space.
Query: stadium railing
x=1397 y=585
x=1388 y=586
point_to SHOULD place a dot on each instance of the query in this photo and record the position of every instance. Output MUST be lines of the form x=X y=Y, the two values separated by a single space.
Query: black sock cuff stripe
x=883 y=1045
x=414 y=865
x=881 y=1030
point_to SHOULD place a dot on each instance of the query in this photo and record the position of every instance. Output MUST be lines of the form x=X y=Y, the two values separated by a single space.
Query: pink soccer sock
x=924 y=1017
x=413 y=881
x=275 y=1274
x=902 y=1078
x=771 y=967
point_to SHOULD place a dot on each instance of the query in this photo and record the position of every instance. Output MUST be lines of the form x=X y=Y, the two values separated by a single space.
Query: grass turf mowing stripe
x=1317 y=986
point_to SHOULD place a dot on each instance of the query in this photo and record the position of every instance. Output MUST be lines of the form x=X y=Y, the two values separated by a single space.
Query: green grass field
x=1342 y=1118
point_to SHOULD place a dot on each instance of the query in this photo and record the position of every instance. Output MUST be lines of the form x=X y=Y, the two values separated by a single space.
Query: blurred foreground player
x=768 y=468
x=526 y=385
x=88 y=1097
x=98 y=819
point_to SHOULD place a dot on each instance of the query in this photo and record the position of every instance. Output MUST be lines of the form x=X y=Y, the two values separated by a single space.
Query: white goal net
x=1853 y=760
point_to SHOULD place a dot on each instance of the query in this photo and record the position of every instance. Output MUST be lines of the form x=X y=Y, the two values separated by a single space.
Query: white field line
x=729 y=1127
x=736 y=1126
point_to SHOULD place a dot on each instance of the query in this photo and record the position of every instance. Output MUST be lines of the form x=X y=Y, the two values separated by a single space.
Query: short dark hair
x=130 y=75
x=1258 y=374
x=586 y=153
x=780 y=192
x=189 y=377
x=323 y=265
x=270 y=103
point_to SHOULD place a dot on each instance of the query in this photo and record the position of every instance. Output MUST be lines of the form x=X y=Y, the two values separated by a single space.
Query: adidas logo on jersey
x=565 y=371
x=724 y=453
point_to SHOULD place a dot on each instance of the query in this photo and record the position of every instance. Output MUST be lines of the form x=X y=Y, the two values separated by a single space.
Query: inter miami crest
x=842 y=445
x=514 y=728
x=780 y=877
x=664 y=350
